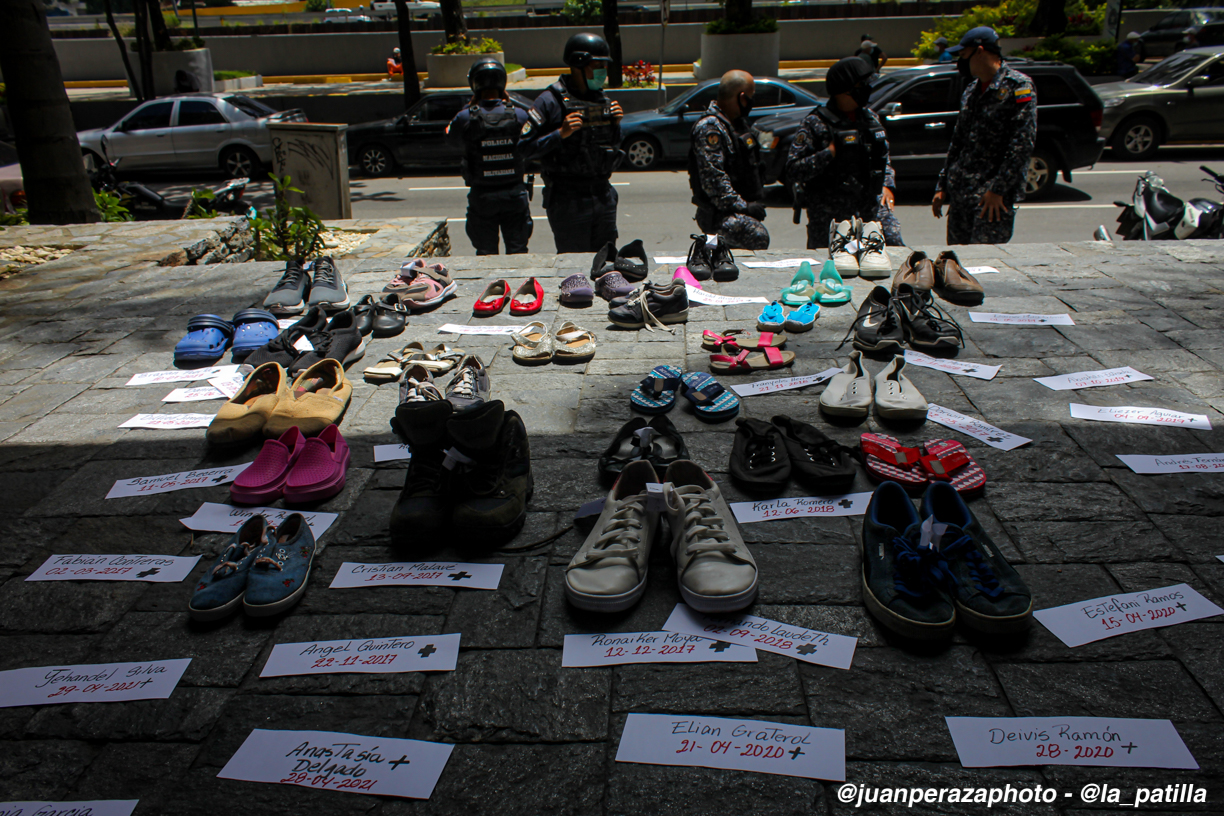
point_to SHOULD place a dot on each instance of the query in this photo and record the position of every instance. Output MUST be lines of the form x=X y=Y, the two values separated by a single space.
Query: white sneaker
x=873 y=260
x=849 y=392
x=608 y=573
x=713 y=566
x=895 y=396
x=843 y=238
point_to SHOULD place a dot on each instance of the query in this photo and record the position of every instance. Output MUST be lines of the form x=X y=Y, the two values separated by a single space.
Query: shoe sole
x=874 y=274
x=447 y=291
x=771 y=327
x=354 y=355
x=799 y=328
x=725 y=277
x=276 y=607
x=678 y=317
x=291 y=309
x=846 y=410
x=605 y=603
x=333 y=305
x=900 y=413
x=887 y=344
x=974 y=299
x=995 y=625
x=217 y=613
x=846 y=271
x=713 y=604
x=386 y=333
x=949 y=343
x=904 y=626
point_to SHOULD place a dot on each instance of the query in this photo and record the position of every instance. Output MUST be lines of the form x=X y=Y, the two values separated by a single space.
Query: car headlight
x=765 y=139
x=1113 y=102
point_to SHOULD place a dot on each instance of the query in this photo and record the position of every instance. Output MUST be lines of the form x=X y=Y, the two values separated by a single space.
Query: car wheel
x=375 y=160
x=1137 y=138
x=643 y=152
x=1042 y=173
x=239 y=162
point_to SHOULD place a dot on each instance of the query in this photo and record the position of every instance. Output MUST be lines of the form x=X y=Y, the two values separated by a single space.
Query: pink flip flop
x=887 y=460
x=946 y=460
x=264 y=480
x=321 y=470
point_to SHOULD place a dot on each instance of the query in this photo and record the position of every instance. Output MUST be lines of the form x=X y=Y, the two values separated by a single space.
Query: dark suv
x=919 y=107
x=1178 y=30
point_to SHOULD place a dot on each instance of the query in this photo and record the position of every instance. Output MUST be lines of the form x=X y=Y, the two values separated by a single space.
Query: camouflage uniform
x=990 y=152
x=829 y=185
x=724 y=177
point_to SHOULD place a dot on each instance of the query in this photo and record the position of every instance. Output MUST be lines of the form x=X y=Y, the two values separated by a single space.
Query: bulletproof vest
x=743 y=168
x=591 y=152
x=490 y=158
x=861 y=162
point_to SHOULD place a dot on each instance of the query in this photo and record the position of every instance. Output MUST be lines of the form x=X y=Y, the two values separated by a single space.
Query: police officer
x=723 y=167
x=839 y=159
x=988 y=159
x=575 y=131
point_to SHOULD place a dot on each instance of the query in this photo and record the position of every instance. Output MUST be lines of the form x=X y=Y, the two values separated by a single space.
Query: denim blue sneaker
x=220 y=591
x=903 y=582
x=772 y=318
x=988 y=594
x=280 y=570
x=803 y=318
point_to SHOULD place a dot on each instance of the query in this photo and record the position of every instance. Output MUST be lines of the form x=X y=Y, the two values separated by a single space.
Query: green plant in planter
x=17 y=218
x=286 y=232
x=583 y=12
x=223 y=75
x=482 y=46
x=764 y=25
x=316 y=6
x=1094 y=58
x=111 y=207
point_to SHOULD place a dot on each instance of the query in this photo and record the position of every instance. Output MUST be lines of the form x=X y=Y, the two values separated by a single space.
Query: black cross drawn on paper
x=427 y=651
x=969 y=371
x=219 y=480
x=403 y=760
x=795 y=754
x=994 y=439
x=1042 y=320
x=148 y=572
x=806 y=649
x=1182 y=607
x=720 y=647
x=459 y=576
x=846 y=503
x=1130 y=747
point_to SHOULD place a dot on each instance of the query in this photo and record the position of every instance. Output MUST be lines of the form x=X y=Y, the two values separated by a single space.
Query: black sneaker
x=759 y=460
x=631 y=262
x=816 y=460
x=490 y=462
x=288 y=297
x=423 y=509
x=988 y=594
x=897 y=585
x=652 y=305
x=926 y=326
x=699 y=259
x=340 y=341
x=722 y=263
x=328 y=289
x=878 y=326
x=281 y=349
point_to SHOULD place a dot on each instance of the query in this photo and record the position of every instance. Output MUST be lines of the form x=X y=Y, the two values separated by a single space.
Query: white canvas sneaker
x=608 y=573
x=849 y=392
x=715 y=571
x=873 y=260
x=843 y=244
x=895 y=396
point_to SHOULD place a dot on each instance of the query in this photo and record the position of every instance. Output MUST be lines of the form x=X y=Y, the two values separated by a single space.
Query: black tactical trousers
x=818 y=219
x=966 y=226
x=740 y=231
x=582 y=215
x=504 y=208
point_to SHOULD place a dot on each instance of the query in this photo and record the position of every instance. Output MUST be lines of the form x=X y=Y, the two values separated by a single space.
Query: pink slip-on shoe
x=264 y=480
x=683 y=274
x=320 y=471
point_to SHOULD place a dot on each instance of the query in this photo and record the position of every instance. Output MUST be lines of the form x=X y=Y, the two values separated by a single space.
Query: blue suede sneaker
x=220 y=591
x=903 y=581
x=281 y=569
x=988 y=593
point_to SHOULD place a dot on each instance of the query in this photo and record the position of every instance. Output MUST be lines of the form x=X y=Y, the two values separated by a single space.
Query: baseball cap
x=1134 y=35
x=982 y=35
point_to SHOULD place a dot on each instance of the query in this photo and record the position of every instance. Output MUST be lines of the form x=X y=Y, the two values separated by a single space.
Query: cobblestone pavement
x=532 y=737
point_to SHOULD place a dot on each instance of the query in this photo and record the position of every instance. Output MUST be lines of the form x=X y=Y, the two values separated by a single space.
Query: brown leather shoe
x=953 y=283
x=916 y=270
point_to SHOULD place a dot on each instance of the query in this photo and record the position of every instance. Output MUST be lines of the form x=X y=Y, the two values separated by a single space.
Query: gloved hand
x=756 y=210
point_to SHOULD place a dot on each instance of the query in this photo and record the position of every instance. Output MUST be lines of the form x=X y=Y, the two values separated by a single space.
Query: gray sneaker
x=289 y=294
x=470 y=386
x=328 y=289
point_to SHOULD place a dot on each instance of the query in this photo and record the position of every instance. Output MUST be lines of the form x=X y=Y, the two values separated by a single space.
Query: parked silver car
x=191 y=132
x=1180 y=99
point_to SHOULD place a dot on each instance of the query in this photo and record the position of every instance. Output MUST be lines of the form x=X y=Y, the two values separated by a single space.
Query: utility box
x=315 y=157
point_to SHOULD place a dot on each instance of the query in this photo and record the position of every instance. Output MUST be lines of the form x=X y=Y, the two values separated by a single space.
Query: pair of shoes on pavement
x=773 y=319
x=886 y=459
x=657 y=394
x=853 y=390
x=944 y=276
x=630 y=261
x=857 y=248
x=886 y=321
x=298 y=290
x=654 y=304
x=314 y=338
x=537 y=344
x=657 y=441
x=714 y=568
x=805 y=288
x=422 y=286
x=469 y=387
x=710 y=257
x=925 y=570
x=267 y=402
x=295 y=468
x=208 y=336
x=765 y=455
x=263 y=570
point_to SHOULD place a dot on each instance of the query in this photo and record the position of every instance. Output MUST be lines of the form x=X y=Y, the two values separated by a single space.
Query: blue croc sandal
x=771 y=318
x=253 y=329
x=657 y=393
x=206 y=339
x=712 y=402
x=803 y=318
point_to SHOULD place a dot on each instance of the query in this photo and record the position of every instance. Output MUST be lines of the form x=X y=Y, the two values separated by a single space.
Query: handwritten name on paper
x=1086 y=621
x=182 y=375
x=783 y=383
x=93 y=683
x=1174 y=463
x=151 y=485
x=1092 y=379
x=223 y=518
x=993 y=742
x=711 y=299
x=455 y=328
x=617 y=648
x=168 y=422
x=978 y=429
x=807 y=645
x=850 y=504
x=418 y=573
x=1141 y=416
x=158 y=569
x=369 y=656
x=977 y=370
x=1022 y=319
x=98 y=807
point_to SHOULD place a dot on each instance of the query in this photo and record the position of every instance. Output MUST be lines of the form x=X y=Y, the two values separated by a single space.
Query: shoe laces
x=760 y=452
x=640 y=299
x=276 y=560
x=464 y=384
x=837 y=243
x=889 y=323
x=939 y=320
x=234 y=555
x=622 y=534
x=421 y=391
x=722 y=253
x=980 y=571
x=324 y=272
x=920 y=570
x=292 y=278
x=704 y=530
x=698 y=252
x=872 y=242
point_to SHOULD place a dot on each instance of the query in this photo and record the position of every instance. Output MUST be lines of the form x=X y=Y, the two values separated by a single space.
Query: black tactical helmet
x=485 y=74
x=845 y=74
x=583 y=49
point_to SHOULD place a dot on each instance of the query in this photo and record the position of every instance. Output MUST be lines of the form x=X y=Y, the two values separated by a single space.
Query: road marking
x=420 y=189
x=533 y=218
x=1023 y=207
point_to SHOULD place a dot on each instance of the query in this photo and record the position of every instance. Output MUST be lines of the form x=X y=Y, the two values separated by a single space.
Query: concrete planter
x=451 y=70
x=755 y=53
x=238 y=84
x=166 y=64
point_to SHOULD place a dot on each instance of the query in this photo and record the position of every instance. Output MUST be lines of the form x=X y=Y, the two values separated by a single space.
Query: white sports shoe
x=895 y=396
x=849 y=392
x=843 y=243
x=873 y=260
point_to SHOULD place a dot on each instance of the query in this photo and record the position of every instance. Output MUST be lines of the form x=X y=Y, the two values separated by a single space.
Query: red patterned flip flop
x=887 y=460
x=946 y=460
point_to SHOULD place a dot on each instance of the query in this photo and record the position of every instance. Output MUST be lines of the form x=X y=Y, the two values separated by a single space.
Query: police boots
x=489 y=461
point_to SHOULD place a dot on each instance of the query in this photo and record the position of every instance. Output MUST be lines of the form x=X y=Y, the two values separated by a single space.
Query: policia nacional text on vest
x=491 y=159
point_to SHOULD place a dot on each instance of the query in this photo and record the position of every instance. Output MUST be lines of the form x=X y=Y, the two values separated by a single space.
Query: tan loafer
x=248 y=412
x=316 y=399
x=916 y=270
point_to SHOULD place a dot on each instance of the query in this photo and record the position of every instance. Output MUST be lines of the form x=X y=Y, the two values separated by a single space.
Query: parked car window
x=1178 y=19
x=702 y=99
x=198 y=112
x=932 y=96
x=1054 y=90
x=882 y=85
x=439 y=109
x=1215 y=71
x=249 y=106
x=1170 y=70
x=766 y=95
x=152 y=116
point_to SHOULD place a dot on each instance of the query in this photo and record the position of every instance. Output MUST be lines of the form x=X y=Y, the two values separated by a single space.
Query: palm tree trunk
x=157 y=23
x=611 y=27
x=56 y=186
x=452 y=21
x=412 y=83
x=123 y=48
x=143 y=49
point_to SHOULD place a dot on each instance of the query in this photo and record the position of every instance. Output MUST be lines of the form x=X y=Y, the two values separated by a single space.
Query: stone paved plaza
x=530 y=736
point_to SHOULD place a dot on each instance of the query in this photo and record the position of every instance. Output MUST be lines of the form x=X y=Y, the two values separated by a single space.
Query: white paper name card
x=168 y=422
x=372 y=656
x=158 y=569
x=981 y=372
x=1175 y=463
x=783 y=384
x=671 y=259
x=734 y=745
x=1021 y=319
x=710 y=299
x=223 y=518
x=230 y=384
x=455 y=328
x=199 y=394
x=350 y=763
x=1141 y=416
x=618 y=648
x=1092 y=379
x=93 y=683
x=994 y=742
x=808 y=645
x=979 y=430
x=1086 y=621
x=981 y=270
x=189 y=375
x=151 y=485
x=850 y=504
x=99 y=807
x=418 y=573
x=391 y=453
x=786 y=263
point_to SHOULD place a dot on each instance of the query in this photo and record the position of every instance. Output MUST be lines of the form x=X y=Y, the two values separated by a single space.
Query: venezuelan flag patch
x=1024 y=94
